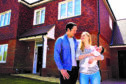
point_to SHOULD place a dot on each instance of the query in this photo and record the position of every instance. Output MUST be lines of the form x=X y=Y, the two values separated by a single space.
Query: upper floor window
x=39 y=16
x=69 y=8
x=5 y=18
x=110 y=22
x=3 y=53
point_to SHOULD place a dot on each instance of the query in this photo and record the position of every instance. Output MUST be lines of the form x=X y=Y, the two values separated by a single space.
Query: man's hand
x=64 y=74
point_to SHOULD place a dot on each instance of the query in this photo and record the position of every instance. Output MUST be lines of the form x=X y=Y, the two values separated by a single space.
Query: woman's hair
x=82 y=45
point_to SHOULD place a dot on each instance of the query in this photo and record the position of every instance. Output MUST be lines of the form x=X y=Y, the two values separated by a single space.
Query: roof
x=109 y=9
x=119 y=34
x=30 y=2
x=36 y=31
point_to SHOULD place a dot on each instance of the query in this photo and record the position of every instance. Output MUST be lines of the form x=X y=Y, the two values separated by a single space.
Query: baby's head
x=100 y=49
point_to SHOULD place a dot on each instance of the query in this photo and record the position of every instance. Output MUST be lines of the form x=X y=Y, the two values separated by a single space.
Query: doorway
x=122 y=64
x=39 y=59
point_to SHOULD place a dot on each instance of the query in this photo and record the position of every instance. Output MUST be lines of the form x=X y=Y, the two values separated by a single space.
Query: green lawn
x=7 y=79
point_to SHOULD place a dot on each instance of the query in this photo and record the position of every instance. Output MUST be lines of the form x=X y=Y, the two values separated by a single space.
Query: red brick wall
x=30 y=56
x=21 y=52
x=105 y=30
x=105 y=40
x=25 y=21
x=50 y=59
x=10 y=31
x=87 y=21
x=24 y=56
x=8 y=66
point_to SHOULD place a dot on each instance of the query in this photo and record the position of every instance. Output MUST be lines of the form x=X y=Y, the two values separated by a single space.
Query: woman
x=84 y=51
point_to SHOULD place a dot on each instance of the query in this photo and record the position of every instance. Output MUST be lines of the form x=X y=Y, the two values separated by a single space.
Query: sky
x=119 y=8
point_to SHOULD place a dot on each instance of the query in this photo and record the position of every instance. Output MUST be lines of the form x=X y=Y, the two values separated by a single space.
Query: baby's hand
x=91 y=60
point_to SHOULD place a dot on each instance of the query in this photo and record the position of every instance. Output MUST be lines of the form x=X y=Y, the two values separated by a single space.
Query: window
x=5 y=18
x=69 y=8
x=110 y=22
x=39 y=16
x=3 y=53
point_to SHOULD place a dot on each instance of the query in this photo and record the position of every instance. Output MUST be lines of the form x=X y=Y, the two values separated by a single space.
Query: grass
x=8 y=79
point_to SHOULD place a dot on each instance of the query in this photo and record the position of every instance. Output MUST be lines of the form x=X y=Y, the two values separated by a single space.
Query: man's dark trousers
x=73 y=76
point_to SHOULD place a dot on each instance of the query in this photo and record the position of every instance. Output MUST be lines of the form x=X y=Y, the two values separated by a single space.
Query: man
x=64 y=55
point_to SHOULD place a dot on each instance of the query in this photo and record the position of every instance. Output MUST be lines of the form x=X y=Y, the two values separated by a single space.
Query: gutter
x=98 y=22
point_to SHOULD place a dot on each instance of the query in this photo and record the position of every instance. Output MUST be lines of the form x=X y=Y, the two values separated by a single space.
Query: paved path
x=53 y=79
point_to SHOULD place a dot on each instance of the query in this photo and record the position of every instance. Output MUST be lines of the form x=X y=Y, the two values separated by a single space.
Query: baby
x=96 y=52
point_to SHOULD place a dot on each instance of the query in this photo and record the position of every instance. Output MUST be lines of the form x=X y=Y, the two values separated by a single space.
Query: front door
x=122 y=64
x=39 y=59
x=38 y=56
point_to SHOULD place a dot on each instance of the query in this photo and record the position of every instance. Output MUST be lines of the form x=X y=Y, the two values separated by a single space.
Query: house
x=118 y=49
x=28 y=31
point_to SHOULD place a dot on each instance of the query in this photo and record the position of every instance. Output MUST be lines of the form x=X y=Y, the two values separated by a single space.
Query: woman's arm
x=96 y=58
x=85 y=55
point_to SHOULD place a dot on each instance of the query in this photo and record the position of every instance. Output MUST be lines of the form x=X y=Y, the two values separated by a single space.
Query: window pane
x=2 y=20
x=63 y=10
x=5 y=52
x=9 y=16
x=77 y=7
x=70 y=9
x=6 y=19
x=1 y=52
x=37 y=17
x=43 y=16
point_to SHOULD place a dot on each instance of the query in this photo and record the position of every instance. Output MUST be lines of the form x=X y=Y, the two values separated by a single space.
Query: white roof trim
x=36 y=4
x=32 y=38
x=119 y=46
x=109 y=9
x=51 y=33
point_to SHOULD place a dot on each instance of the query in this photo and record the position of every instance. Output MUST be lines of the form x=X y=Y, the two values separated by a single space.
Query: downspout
x=98 y=5
x=98 y=22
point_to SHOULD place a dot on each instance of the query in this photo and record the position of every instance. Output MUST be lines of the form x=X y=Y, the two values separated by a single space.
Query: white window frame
x=3 y=13
x=66 y=2
x=34 y=22
x=6 y=56
x=110 y=22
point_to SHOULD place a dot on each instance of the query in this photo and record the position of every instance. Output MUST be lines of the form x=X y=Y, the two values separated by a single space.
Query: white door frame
x=35 y=58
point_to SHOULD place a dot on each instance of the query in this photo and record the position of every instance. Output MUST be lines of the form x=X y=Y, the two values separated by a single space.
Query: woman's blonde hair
x=82 y=45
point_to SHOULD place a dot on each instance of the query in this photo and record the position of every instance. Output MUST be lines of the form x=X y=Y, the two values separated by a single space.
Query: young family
x=68 y=51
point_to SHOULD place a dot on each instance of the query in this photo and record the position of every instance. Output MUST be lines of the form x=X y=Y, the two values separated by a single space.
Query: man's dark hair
x=70 y=25
x=102 y=51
